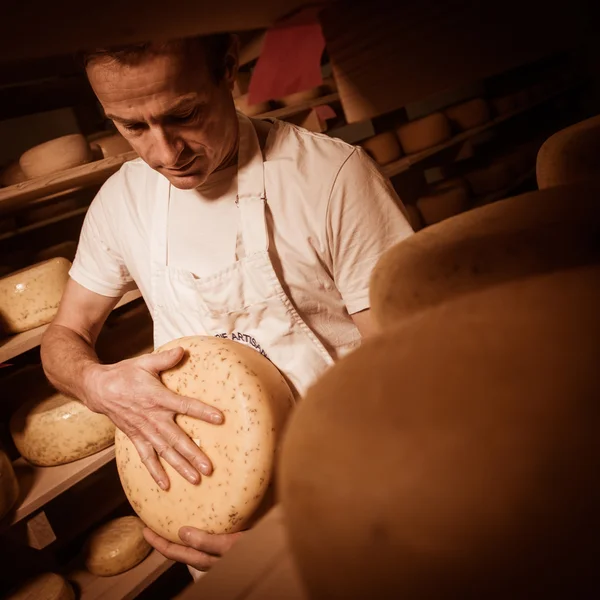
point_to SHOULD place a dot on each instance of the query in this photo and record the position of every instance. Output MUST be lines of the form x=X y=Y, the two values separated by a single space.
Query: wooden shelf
x=22 y=342
x=290 y=111
x=92 y=173
x=505 y=192
x=125 y=586
x=57 y=219
x=405 y=163
x=39 y=485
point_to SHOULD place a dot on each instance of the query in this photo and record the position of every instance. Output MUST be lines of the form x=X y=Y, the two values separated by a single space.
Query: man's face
x=172 y=113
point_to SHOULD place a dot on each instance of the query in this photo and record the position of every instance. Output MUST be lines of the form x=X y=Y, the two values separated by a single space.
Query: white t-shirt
x=331 y=215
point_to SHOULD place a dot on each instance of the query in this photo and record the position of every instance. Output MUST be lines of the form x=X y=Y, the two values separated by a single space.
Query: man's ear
x=232 y=59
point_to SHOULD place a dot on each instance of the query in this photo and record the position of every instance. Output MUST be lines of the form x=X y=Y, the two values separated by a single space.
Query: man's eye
x=186 y=117
x=134 y=126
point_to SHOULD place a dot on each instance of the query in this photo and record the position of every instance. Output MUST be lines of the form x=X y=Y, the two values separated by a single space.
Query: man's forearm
x=67 y=359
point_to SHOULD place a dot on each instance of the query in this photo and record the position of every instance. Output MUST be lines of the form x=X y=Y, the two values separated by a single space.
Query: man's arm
x=129 y=392
x=364 y=323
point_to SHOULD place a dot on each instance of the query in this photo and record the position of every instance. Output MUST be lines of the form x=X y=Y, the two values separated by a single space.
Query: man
x=226 y=225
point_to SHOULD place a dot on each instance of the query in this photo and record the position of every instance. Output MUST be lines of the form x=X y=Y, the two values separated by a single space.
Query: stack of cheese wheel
x=424 y=133
x=9 y=487
x=572 y=154
x=469 y=115
x=109 y=144
x=444 y=200
x=56 y=155
x=12 y=174
x=476 y=474
x=30 y=297
x=255 y=400
x=47 y=586
x=52 y=429
x=383 y=148
x=508 y=240
x=116 y=547
x=251 y=110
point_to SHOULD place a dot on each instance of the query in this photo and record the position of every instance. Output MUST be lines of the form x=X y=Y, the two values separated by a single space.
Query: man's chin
x=187 y=181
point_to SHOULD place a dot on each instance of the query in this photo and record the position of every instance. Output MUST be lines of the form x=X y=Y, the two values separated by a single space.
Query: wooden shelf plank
x=405 y=163
x=125 y=586
x=92 y=173
x=39 y=485
x=22 y=342
x=290 y=111
x=57 y=219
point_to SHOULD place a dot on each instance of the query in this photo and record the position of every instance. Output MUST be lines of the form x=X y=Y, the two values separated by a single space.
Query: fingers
x=191 y=407
x=184 y=554
x=179 y=441
x=161 y=361
x=215 y=545
x=151 y=462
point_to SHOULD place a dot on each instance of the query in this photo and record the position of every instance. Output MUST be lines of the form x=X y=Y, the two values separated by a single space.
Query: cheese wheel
x=302 y=97
x=47 y=586
x=424 y=133
x=30 y=297
x=9 y=486
x=255 y=400
x=508 y=240
x=12 y=174
x=383 y=148
x=505 y=104
x=116 y=547
x=490 y=178
x=476 y=474
x=413 y=216
x=56 y=155
x=53 y=429
x=444 y=201
x=111 y=145
x=65 y=249
x=571 y=155
x=468 y=115
x=251 y=110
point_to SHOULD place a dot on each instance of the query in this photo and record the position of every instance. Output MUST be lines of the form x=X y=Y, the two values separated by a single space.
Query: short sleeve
x=364 y=220
x=99 y=264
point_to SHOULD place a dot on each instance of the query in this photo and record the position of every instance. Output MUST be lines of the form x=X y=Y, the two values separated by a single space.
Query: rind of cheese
x=445 y=200
x=12 y=174
x=64 y=249
x=508 y=240
x=424 y=133
x=384 y=148
x=302 y=97
x=480 y=419
x=56 y=155
x=469 y=115
x=47 y=586
x=116 y=547
x=53 y=429
x=251 y=110
x=255 y=399
x=30 y=297
x=111 y=145
x=9 y=486
x=570 y=155
x=491 y=178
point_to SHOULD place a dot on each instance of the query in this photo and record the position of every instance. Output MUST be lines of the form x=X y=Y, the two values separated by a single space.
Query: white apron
x=245 y=301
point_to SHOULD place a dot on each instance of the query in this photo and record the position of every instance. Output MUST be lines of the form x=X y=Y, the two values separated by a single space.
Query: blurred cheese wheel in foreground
x=456 y=455
x=56 y=155
x=469 y=114
x=255 y=400
x=9 y=487
x=445 y=200
x=116 y=547
x=48 y=586
x=533 y=233
x=52 y=429
x=111 y=145
x=30 y=297
x=424 y=133
x=383 y=148
x=65 y=249
x=251 y=110
x=12 y=174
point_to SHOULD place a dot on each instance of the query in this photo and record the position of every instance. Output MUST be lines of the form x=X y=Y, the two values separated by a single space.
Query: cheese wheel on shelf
x=9 y=486
x=56 y=155
x=12 y=174
x=251 y=110
x=508 y=240
x=490 y=178
x=30 y=297
x=383 y=148
x=302 y=97
x=444 y=201
x=481 y=476
x=505 y=104
x=424 y=133
x=116 y=547
x=47 y=586
x=255 y=399
x=110 y=145
x=468 y=115
x=53 y=429
x=64 y=249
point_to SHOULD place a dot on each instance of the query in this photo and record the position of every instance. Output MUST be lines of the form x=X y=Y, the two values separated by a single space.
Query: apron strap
x=251 y=198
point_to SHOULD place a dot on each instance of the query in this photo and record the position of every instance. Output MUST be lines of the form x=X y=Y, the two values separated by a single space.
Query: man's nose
x=167 y=147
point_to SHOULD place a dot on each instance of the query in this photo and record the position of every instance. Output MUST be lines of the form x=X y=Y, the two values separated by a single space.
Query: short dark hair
x=213 y=47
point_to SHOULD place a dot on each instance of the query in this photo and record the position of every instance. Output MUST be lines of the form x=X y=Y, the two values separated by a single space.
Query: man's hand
x=199 y=549
x=131 y=394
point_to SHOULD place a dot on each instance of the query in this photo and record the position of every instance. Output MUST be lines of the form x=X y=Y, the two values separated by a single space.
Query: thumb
x=161 y=361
